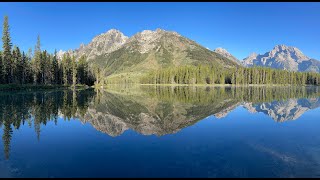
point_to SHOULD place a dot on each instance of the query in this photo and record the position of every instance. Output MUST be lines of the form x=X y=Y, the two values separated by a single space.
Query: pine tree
x=1 y=68
x=29 y=70
x=6 y=54
x=55 y=68
x=17 y=65
x=65 y=69
x=74 y=71
x=82 y=70
x=23 y=68
x=36 y=62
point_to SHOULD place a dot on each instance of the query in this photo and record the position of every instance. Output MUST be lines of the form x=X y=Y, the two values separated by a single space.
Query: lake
x=161 y=131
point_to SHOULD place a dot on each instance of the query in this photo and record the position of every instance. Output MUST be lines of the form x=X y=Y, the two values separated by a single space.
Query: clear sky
x=241 y=28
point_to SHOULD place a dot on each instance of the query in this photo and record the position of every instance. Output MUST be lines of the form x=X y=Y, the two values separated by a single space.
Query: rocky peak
x=283 y=57
x=82 y=46
x=226 y=54
x=253 y=55
x=104 y=43
x=287 y=51
x=221 y=51
x=148 y=39
x=111 y=35
x=249 y=60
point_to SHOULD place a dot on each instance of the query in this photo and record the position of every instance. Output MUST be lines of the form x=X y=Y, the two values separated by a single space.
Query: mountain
x=283 y=57
x=104 y=43
x=151 y=50
x=146 y=50
x=226 y=54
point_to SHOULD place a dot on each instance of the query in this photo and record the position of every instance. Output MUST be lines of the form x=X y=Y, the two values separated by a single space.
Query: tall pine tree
x=6 y=54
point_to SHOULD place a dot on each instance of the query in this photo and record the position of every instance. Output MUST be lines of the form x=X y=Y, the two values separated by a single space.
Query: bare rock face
x=226 y=54
x=147 y=40
x=104 y=43
x=155 y=41
x=283 y=57
x=249 y=61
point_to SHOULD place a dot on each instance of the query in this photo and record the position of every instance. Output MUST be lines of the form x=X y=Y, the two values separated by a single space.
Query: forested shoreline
x=39 y=67
x=210 y=75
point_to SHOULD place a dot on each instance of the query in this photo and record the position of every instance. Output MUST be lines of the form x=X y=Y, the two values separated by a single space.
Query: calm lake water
x=152 y=131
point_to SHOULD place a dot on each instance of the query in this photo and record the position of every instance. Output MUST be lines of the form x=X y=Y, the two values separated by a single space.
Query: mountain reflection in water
x=158 y=110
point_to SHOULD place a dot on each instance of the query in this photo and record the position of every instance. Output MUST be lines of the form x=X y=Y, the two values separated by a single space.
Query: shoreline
x=32 y=87
x=218 y=85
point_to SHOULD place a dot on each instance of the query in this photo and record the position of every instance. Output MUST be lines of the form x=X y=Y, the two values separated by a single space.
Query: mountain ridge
x=283 y=57
x=148 y=50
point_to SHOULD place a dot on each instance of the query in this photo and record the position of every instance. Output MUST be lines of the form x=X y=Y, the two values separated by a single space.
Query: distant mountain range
x=280 y=57
x=283 y=57
x=151 y=50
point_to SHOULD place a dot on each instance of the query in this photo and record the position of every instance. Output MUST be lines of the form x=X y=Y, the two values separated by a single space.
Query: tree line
x=209 y=74
x=40 y=67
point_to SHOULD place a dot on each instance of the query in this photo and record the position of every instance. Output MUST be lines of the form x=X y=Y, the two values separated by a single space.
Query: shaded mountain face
x=147 y=50
x=226 y=54
x=283 y=57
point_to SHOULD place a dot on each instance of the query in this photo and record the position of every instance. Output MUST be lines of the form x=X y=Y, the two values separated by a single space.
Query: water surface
x=154 y=131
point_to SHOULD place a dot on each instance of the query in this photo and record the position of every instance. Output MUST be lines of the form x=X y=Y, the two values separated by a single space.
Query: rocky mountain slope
x=283 y=57
x=223 y=52
x=147 y=50
x=151 y=50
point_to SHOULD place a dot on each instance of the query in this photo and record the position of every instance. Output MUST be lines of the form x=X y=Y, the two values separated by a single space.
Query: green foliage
x=212 y=74
x=6 y=54
x=82 y=70
x=41 y=69
x=74 y=71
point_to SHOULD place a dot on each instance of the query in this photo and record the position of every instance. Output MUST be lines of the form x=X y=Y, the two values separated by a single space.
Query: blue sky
x=241 y=28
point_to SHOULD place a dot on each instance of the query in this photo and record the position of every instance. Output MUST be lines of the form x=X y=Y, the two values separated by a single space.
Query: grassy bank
x=32 y=87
